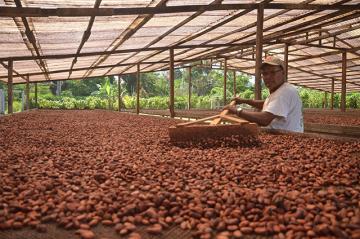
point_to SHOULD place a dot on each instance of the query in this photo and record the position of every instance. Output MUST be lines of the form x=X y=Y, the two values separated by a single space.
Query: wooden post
x=259 y=42
x=189 y=93
x=332 y=94
x=119 y=93
x=138 y=89
x=10 y=87
x=172 y=85
x=286 y=61
x=36 y=95
x=225 y=76
x=325 y=100
x=27 y=92
x=234 y=83
x=343 y=83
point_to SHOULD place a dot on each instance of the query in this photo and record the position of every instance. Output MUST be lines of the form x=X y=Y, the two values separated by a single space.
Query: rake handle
x=224 y=112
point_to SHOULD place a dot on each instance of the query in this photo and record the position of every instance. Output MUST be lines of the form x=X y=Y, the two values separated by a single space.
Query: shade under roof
x=63 y=39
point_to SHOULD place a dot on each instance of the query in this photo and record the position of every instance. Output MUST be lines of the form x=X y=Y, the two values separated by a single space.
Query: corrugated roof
x=63 y=39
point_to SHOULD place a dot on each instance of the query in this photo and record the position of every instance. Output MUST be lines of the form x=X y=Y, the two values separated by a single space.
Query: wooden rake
x=200 y=129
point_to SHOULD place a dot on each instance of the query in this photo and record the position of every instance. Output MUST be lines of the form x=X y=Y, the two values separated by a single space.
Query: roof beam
x=241 y=29
x=180 y=24
x=83 y=12
x=98 y=67
x=319 y=75
x=293 y=30
x=125 y=35
x=16 y=73
x=85 y=36
x=269 y=36
x=29 y=33
x=59 y=56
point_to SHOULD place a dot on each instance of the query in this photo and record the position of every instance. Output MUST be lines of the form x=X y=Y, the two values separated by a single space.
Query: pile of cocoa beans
x=78 y=169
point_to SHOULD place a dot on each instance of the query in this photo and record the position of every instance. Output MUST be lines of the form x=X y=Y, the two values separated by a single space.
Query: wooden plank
x=259 y=49
x=10 y=87
x=172 y=85
x=352 y=131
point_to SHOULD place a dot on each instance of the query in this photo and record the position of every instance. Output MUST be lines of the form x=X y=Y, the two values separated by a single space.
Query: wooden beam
x=321 y=55
x=172 y=85
x=138 y=89
x=131 y=29
x=36 y=96
x=281 y=33
x=83 y=12
x=86 y=36
x=225 y=79
x=343 y=83
x=286 y=61
x=16 y=73
x=234 y=83
x=163 y=35
x=95 y=53
x=332 y=93
x=190 y=86
x=341 y=30
x=291 y=31
x=227 y=33
x=10 y=87
x=27 y=92
x=119 y=93
x=259 y=48
x=29 y=33
x=325 y=99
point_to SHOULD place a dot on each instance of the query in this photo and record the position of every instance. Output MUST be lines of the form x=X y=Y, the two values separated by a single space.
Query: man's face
x=273 y=77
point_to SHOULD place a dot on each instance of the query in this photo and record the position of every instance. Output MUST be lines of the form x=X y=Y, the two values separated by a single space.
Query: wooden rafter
x=31 y=41
x=81 y=12
x=124 y=36
x=266 y=37
x=85 y=36
x=180 y=24
x=60 y=56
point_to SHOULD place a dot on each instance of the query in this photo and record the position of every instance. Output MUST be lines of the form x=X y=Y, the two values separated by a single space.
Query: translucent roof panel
x=93 y=45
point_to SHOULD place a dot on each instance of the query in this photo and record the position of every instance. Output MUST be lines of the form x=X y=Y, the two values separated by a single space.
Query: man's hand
x=231 y=108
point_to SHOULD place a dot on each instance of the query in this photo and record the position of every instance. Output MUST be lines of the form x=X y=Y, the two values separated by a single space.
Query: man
x=282 y=109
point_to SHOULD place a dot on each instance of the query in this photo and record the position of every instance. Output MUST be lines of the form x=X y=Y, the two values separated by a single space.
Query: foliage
x=206 y=92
